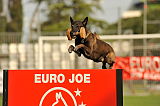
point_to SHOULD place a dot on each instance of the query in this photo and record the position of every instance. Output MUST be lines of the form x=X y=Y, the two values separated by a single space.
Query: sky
x=111 y=9
x=27 y=13
x=109 y=13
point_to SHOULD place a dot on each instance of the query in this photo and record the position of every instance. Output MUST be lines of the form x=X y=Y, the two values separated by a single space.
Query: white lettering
x=87 y=78
x=53 y=78
x=156 y=64
x=49 y=78
x=45 y=78
x=79 y=78
x=37 y=78
x=61 y=78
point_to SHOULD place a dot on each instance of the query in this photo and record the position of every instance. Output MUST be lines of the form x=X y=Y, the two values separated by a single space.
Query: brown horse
x=89 y=44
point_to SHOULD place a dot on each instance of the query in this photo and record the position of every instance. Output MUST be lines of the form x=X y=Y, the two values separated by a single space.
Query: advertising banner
x=70 y=87
x=135 y=68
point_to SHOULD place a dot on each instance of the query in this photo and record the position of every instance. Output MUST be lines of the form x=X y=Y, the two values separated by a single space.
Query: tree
x=2 y=19
x=152 y=17
x=11 y=16
x=35 y=12
x=0 y=6
x=61 y=10
x=136 y=24
x=15 y=8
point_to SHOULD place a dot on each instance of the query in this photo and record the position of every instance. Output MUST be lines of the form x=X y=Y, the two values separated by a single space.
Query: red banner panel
x=70 y=87
x=135 y=68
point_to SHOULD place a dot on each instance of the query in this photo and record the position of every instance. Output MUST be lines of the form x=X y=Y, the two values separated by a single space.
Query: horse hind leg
x=111 y=65
x=110 y=58
x=101 y=59
x=104 y=65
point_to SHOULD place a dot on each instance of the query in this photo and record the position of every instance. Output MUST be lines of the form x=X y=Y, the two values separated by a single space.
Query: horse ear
x=68 y=34
x=97 y=36
x=85 y=21
x=82 y=32
x=71 y=20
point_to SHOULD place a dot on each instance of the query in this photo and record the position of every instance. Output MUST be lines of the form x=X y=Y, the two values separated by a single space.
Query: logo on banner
x=61 y=96
x=144 y=67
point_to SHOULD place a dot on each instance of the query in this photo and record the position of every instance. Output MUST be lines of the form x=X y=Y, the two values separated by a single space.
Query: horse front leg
x=86 y=49
x=72 y=48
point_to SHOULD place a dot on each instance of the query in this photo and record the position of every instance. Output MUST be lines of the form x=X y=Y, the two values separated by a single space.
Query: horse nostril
x=74 y=33
x=71 y=33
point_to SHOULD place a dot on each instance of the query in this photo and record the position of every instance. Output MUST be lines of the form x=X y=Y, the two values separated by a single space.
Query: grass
x=0 y=100
x=152 y=100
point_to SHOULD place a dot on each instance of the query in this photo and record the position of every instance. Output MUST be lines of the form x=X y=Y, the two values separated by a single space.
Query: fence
x=51 y=53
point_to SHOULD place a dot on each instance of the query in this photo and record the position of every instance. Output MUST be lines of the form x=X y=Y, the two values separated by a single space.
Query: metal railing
x=50 y=52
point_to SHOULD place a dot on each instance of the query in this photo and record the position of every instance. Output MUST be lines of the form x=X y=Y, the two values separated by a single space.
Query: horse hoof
x=70 y=50
x=104 y=67
x=79 y=54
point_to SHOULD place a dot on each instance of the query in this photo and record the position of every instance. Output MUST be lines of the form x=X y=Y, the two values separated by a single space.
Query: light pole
x=145 y=17
x=119 y=28
x=145 y=6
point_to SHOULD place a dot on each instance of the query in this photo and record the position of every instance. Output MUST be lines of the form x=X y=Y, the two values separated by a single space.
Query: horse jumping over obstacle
x=89 y=44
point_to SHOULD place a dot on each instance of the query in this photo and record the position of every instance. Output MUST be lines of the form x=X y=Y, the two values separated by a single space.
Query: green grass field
x=0 y=100
x=152 y=100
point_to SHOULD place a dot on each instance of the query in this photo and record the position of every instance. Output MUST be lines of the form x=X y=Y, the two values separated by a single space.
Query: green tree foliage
x=136 y=24
x=152 y=16
x=2 y=24
x=15 y=8
x=61 y=10
x=2 y=19
x=0 y=6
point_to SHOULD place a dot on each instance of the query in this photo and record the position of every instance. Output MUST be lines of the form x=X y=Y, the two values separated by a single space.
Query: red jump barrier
x=139 y=68
x=69 y=87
